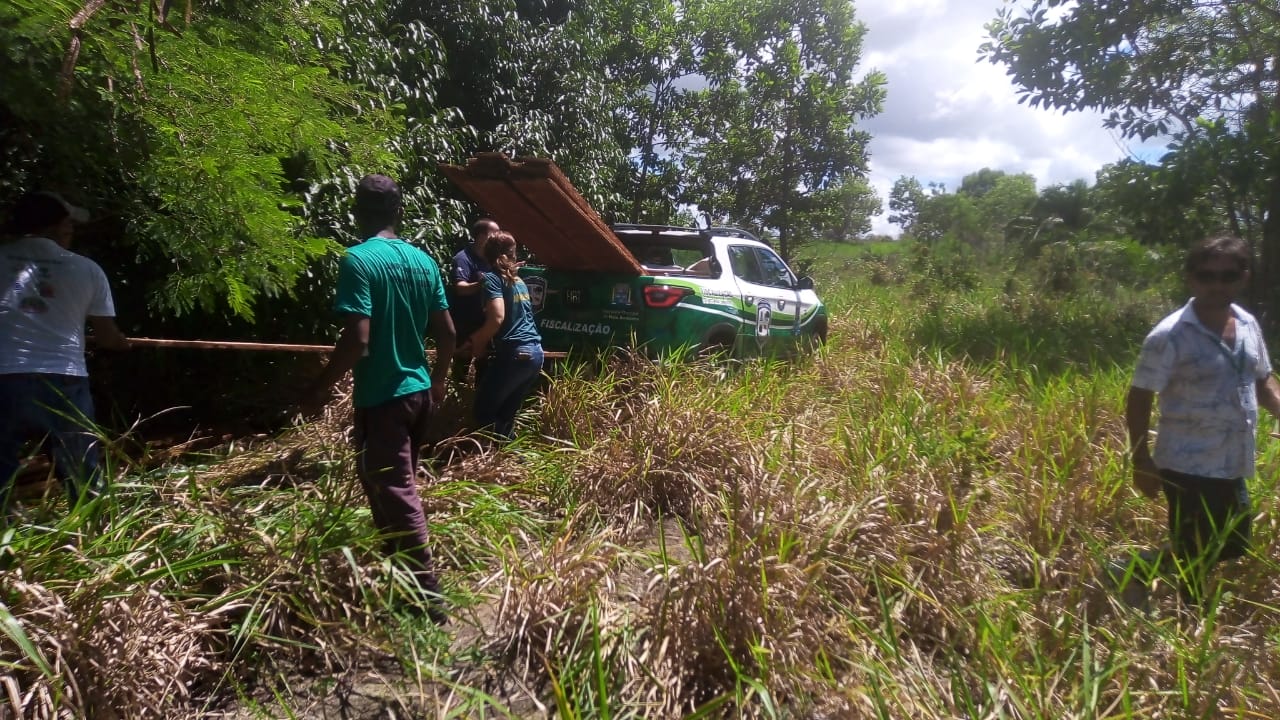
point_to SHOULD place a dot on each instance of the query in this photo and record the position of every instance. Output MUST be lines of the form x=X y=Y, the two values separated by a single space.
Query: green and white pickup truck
x=656 y=288
x=714 y=290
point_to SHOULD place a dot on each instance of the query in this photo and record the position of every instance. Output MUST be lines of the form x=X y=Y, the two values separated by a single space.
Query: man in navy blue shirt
x=467 y=304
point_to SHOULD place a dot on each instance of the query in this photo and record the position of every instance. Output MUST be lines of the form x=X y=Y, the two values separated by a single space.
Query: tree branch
x=66 y=77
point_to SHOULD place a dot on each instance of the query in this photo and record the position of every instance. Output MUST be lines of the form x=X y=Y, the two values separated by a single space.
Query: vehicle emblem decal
x=537 y=291
x=764 y=318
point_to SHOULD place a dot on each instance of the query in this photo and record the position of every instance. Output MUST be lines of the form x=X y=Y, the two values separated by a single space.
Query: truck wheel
x=818 y=337
x=719 y=344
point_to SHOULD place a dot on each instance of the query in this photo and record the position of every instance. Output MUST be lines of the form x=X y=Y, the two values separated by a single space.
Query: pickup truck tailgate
x=585 y=311
x=536 y=203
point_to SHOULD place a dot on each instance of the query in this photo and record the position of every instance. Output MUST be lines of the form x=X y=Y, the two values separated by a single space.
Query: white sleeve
x=1264 y=359
x=1155 y=362
x=100 y=304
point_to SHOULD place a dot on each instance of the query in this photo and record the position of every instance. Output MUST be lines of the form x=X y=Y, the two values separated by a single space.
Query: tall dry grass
x=891 y=528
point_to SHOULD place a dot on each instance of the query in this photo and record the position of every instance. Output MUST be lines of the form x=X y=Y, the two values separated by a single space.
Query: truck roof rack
x=658 y=229
x=653 y=229
x=731 y=232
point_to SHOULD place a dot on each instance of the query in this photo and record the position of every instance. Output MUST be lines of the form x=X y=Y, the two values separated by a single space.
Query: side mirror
x=805 y=283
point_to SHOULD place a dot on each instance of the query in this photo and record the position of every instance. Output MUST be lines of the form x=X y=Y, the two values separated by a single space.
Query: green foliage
x=841 y=212
x=1200 y=73
x=1008 y=197
x=1154 y=204
x=1067 y=265
x=778 y=121
x=1070 y=202
x=944 y=266
x=177 y=130
x=905 y=200
x=648 y=54
x=949 y=215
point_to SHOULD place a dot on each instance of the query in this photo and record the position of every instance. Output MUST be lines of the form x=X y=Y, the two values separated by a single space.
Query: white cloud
x=949 y=113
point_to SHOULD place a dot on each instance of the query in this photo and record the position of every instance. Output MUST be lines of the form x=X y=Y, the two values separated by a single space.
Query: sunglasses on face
x=1225 y=277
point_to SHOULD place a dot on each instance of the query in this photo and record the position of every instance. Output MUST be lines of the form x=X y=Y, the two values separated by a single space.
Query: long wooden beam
x=227 y=345
x=233 y=345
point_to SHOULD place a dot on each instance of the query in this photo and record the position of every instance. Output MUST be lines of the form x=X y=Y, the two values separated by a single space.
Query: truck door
x=769 y=294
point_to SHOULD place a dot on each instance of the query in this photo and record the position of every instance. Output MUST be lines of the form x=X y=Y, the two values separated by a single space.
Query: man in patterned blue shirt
x=1209 y=365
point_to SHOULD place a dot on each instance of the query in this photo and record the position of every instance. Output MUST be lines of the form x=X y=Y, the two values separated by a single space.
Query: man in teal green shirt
x=389 y=295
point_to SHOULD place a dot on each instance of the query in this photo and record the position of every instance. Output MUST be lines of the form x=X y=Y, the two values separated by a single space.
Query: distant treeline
x=217 y=142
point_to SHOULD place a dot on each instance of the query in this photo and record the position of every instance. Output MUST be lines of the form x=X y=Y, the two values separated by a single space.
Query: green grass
x=907 y=524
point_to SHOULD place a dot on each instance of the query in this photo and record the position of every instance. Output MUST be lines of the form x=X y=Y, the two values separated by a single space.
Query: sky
x=949 y=113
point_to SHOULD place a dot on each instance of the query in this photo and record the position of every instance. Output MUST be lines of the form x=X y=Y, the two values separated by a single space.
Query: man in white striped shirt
x=1208 y=364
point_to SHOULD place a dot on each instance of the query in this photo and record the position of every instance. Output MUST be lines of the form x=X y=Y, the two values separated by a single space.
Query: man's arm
x=495 y=311
x=1137 y=417
x=106 y=334
x=467 y=278
x=1268 y=389
x=352 y=345
x=441 y=326
x=464 y=288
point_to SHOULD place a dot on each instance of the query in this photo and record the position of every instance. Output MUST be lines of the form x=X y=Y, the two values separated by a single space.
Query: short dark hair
x=482 y=227
x=378 y=202
x=1215 y=246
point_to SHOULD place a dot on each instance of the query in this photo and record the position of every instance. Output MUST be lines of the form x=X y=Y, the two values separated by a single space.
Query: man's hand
x=1146 y=476
x=106 y=334
x=438 y=393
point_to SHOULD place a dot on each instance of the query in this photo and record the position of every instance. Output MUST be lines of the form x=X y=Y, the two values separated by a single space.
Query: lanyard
x=1236 y=358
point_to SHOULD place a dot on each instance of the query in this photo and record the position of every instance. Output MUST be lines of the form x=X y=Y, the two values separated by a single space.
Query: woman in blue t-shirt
x=517 y=347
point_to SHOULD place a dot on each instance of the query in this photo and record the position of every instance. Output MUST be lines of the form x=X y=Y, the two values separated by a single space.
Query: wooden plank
x=231 y=345
x=597 y=250
x=513 y=212
x=534 y=200
x=226 y=345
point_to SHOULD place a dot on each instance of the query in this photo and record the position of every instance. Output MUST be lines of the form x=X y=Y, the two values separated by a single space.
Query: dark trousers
x=56 y=407
x=387 y=439
x=462 y=366
x=1209 y=521
x=511 y=374
x=479 y=356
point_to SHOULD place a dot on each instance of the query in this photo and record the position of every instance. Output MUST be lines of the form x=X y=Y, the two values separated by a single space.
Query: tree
x=976 y=215
x=777 y=124
x=648 y=56
x=176 y=128
x=1154 y=204
x=905 y=200
x=508 y=76
x=952 y=216
x=1069 y=202
x=998 y=199
x=843 y=212
x=979 y=183
x=1202 y=72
